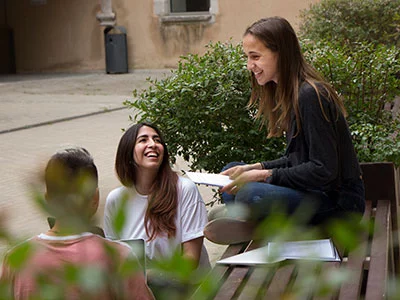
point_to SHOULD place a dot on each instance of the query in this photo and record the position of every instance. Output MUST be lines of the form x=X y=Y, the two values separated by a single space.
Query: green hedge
x=201 y=109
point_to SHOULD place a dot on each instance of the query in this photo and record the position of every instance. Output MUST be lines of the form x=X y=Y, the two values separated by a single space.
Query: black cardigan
x=321 y=155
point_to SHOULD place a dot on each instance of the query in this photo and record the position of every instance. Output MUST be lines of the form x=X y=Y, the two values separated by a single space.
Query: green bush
x=350 y=21
x=355 y=45
x=365 y=76
x=376 y=141
x=201 y=109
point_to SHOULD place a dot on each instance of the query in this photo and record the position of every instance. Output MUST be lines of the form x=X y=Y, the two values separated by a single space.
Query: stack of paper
x=273 y=252
x=209 y=179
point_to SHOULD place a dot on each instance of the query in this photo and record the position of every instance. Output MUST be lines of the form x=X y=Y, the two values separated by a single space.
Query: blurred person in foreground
x=68 y=262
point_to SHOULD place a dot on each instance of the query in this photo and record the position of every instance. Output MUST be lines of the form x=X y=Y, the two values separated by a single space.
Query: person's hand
x=235 y=171
x=241 y=177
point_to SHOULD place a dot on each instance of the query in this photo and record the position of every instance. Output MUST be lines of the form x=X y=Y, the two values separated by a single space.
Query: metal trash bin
x=116 y=49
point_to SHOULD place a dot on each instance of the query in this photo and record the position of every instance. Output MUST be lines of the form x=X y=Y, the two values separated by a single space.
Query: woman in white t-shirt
x=162 y=208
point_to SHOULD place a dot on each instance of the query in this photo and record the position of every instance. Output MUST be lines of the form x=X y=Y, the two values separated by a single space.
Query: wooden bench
x=369 y=267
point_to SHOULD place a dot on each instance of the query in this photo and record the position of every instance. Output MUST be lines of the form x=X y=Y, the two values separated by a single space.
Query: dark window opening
x=190 y=6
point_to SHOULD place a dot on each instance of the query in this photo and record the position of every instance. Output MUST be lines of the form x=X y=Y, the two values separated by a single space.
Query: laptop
x=139 y=249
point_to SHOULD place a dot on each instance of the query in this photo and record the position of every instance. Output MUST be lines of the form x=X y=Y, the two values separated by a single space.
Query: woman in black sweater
x=319 y=170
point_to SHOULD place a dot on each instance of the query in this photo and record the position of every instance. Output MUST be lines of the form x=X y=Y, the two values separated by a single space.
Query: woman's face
x=149 y=151
x=260 y=60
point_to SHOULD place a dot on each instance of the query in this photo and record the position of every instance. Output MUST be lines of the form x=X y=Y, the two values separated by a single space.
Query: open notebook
x=323 y=250
x=138 y=248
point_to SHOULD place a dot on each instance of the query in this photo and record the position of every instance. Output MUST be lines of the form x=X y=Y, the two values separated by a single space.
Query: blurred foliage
x=312 y=276
x=89 y=279
x=175 y=277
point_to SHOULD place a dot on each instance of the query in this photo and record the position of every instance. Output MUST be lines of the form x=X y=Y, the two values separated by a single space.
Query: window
x=182 y=11
x=179 y=6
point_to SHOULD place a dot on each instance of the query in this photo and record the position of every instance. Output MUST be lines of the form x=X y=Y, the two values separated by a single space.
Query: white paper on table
x=312 y=249
x=254 y=257
x=323 y=250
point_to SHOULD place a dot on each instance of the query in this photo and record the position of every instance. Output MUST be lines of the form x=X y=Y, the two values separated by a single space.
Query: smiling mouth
x=152 y=155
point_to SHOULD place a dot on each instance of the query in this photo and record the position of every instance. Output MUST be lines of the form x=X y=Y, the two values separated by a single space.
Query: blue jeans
x=312 y=207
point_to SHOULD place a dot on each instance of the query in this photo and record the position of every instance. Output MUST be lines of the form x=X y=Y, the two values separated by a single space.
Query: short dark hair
x=71 y=179
x=124 y=162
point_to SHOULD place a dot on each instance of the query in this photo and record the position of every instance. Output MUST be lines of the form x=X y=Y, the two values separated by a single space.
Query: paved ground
x=40 y=114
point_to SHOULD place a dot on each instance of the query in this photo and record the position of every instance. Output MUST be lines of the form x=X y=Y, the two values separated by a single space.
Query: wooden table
x=369 y=268
x=362 y=273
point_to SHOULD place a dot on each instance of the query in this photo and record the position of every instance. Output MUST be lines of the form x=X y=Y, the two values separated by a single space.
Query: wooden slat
x=355 y=263
x=382 y=181
x=392 y=259
x=379 y=181
x=220 y=272
x=280 y=282
x=378 y=267
x=235 y=249
x=327 y=269
x=255 y=285
x=232 y=283
x=305 y=269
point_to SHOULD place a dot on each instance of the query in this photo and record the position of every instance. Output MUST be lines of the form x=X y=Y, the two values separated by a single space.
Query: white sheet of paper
x=313 y=249
x=323 y=250
x=254 y=257
x=209 y=179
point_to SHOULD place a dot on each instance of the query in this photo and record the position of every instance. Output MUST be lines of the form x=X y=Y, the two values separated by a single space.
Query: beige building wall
x=58 y=35
x=65 y=36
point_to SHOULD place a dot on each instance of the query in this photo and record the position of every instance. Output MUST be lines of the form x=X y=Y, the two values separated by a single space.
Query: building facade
x=69 y=35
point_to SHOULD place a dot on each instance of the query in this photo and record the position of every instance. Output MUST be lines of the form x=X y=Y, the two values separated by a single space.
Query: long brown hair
x=277 y=101
x=163 y=198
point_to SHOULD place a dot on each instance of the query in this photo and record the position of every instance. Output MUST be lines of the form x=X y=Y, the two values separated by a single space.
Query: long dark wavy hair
x=163 y=197
x=277 y=101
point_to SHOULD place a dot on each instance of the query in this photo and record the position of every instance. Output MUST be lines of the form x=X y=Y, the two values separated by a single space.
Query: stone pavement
x=40 y=114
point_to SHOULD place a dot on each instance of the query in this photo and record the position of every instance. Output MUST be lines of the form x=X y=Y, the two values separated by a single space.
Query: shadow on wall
x=179 y=38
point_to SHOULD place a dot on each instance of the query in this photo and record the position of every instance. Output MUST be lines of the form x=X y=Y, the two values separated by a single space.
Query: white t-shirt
x=190 y=220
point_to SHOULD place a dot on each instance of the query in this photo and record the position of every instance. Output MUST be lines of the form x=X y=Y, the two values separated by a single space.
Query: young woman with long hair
x=319 y=170
x=164 y=209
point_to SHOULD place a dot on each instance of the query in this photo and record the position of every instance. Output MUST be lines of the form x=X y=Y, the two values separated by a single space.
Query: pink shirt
x=51 y=258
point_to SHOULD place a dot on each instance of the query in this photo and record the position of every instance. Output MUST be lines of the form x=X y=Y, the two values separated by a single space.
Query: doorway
x=7 y=48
